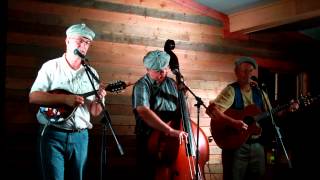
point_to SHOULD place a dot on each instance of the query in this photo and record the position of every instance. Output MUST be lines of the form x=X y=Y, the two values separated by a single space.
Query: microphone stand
x=106 y=121
x=183 y=86
x=276 y=128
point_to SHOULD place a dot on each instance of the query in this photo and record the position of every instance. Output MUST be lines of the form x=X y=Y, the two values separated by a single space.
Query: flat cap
x=156 y=60
x=246 y=59
x=81 y=30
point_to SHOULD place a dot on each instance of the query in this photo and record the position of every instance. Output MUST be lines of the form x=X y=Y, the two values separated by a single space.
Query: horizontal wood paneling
x=63 y=16
x=145 y=11
x=197 y=48
x=160 y=5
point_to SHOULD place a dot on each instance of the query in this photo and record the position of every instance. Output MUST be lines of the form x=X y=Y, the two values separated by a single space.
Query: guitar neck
x=267 y=114
x=115 y=87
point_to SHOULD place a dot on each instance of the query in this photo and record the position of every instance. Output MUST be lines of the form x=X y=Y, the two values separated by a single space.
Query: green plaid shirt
x=161 y=98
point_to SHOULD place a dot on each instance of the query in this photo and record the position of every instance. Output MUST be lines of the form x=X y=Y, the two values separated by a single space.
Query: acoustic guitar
x=227 y=137
x=60 y=113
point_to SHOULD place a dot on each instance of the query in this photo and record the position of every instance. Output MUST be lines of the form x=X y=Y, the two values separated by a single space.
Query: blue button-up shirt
x=161 y=98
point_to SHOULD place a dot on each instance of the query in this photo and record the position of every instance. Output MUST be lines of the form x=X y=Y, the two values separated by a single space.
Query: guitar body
x=227 y=137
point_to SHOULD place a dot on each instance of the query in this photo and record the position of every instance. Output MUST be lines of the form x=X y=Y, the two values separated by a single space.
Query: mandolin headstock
x=117 y=86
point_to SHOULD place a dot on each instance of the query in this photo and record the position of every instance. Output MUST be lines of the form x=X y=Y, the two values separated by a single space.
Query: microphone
x=256 y=82
x=176 y=71
x=77 y=52
x=254 y=78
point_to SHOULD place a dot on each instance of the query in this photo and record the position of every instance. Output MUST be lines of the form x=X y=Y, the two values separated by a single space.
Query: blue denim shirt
x=161 y=98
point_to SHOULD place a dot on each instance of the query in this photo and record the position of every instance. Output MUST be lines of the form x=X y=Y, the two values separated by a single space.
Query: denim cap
x=246 y=59
x=81 y=30
x=156 y=60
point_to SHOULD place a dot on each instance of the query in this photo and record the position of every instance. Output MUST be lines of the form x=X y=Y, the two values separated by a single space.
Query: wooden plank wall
x=126 y=30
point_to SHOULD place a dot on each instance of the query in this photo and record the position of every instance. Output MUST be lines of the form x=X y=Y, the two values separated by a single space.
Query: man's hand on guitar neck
x=96 y=108
x=101 y=91
x=294 y=106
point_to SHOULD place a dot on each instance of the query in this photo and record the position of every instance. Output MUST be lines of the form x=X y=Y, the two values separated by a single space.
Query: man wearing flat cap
x=237 y=96
x=155 y=104
x=241 y=141
x=64 y=116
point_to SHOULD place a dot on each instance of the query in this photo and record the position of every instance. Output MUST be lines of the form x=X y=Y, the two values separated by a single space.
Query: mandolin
x=60 y=113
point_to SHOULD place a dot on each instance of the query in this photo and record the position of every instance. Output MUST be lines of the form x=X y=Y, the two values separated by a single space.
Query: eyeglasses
x=82 y=41
x=160 y=71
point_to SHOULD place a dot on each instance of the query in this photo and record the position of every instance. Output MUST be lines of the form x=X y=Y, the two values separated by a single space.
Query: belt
x=66 y=130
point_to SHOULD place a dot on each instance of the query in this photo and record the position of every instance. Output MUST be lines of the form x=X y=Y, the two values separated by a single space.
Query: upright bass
x=180 y=161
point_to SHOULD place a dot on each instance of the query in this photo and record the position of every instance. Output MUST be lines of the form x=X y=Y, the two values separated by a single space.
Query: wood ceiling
x=249 y=16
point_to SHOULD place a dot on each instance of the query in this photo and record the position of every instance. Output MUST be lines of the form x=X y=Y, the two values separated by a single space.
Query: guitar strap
x=92 y=74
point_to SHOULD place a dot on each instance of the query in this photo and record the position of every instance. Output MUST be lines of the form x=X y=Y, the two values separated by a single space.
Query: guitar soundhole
x=248 y=120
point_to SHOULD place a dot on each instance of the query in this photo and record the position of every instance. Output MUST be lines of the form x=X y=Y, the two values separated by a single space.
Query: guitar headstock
x=117 y=86
x=307 y=100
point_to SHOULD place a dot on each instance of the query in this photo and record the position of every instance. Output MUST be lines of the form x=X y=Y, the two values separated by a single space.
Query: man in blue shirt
x=244 y=161
x=155 y=106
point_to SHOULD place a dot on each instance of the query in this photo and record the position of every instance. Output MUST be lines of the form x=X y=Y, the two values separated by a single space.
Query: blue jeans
x=245 y=163
x=63 y=153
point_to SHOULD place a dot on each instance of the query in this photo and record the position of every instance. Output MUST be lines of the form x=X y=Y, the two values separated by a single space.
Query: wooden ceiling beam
x=272 y=15
x=194 y=5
